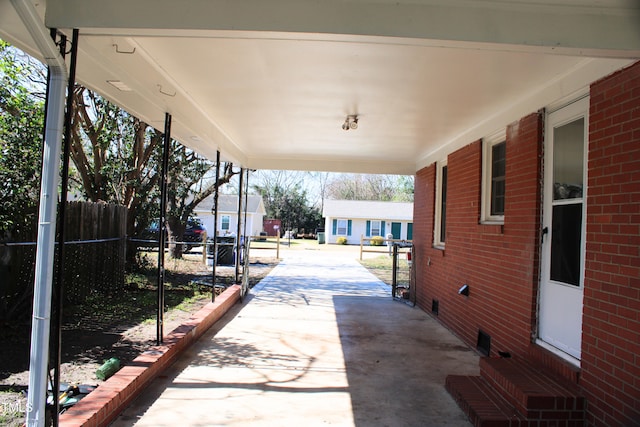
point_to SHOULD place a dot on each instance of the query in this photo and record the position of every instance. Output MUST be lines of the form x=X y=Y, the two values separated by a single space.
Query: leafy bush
x=377 y=241
x=341 y=240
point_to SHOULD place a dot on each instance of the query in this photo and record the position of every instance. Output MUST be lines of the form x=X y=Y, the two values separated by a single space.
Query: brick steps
x=512 y=392
x=482 y=404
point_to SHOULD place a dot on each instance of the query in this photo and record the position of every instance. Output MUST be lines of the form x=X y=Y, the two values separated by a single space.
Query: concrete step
x=483 y=405
x=535 y=394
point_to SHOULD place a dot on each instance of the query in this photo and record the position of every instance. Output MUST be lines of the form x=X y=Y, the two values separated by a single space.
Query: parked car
x=193 y=233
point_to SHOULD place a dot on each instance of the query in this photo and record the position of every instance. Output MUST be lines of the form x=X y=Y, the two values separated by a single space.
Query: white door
x=563 y=244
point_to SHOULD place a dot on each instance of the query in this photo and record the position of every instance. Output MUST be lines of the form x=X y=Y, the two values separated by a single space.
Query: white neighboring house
x=356 y=218
x=228 y=215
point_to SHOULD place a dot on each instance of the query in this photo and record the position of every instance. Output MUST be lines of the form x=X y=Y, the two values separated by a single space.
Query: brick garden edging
x=105 y=403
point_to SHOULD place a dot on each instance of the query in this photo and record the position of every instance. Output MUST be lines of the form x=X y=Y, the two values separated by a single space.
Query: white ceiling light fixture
x=351 y=122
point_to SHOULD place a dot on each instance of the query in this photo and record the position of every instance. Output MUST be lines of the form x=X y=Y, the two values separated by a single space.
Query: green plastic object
x=109 y=368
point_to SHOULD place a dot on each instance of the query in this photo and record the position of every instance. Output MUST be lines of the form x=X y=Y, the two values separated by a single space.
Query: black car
x=193 y=233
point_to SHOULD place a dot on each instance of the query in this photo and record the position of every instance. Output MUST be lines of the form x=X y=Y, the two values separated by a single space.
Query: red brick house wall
x=500 y=263
x=611 y=331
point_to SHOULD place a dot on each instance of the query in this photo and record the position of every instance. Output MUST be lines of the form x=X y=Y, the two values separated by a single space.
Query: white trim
x=560 y=304
x=564 y=356
x=487 y=158
x=222 y=217
x=371 y=233
x=346 y=227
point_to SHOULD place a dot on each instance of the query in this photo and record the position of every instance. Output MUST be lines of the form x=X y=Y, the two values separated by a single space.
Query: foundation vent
x=484 y=343
x=434 y=306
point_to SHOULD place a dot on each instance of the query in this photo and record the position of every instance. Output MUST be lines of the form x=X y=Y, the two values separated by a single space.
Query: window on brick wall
x=494 y=160
x=440 y=230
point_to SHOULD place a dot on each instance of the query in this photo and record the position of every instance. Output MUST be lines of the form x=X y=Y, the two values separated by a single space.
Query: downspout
x=40 y=323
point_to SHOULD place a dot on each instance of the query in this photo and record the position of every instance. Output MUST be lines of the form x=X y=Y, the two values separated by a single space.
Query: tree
x=21 y=124
x=117 y=159
x=272 y=185
x=290 y=204
x=187 y=187
x=406 y=188
x=22 y=80
x=321 y=181
x=384 y=188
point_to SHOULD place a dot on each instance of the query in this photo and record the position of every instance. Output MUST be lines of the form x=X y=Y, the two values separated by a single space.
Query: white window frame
x=228 y=222
x=438 y=240
x=487 y=158
x=345 y=228
x=372 y=228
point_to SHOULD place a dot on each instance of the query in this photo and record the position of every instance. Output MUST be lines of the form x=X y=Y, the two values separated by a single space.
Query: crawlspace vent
x=434 y=306
x=484 y=343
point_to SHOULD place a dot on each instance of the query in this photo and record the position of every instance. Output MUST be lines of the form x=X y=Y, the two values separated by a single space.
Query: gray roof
x=366 y=209
x=228 y=203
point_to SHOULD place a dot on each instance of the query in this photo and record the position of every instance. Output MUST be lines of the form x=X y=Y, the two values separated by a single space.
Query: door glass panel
x=566 y=221
x=566 y=243
x=568 y=152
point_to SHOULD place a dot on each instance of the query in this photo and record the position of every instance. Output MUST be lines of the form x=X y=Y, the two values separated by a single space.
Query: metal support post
x=59 y=291
x=162 y=226
x=239 y=226
x=214 y=210
x=394 y=274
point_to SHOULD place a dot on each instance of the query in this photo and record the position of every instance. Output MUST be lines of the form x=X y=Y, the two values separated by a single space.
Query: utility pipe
x=45 y=250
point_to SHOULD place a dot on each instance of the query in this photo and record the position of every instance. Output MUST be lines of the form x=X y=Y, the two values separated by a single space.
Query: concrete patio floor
x=318 y=342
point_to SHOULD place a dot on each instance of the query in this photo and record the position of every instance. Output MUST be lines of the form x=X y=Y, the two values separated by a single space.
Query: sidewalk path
x=318 y=342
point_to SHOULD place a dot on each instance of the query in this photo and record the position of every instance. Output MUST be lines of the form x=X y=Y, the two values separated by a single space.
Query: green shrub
x=377 y=241
x=341 y=240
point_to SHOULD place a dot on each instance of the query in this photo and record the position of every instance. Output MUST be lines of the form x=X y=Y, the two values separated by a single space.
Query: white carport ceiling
x=269 y=83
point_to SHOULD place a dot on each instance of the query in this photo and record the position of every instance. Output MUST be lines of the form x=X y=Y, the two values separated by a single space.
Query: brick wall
x=423 y=203
x=498 y=262
x=611 y=324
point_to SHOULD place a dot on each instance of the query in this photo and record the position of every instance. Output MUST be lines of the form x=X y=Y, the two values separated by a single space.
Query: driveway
x=318 y=342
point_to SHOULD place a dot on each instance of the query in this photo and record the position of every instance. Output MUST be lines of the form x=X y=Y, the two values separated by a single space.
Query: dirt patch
x=120 y=326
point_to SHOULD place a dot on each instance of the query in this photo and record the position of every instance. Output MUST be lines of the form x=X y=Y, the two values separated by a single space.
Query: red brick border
x=105 y=403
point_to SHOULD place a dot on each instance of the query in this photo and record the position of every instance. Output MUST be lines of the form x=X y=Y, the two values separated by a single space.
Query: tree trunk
x=175 y=231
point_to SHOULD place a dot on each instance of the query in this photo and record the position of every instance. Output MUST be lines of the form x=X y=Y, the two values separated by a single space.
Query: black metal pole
x=64 y=184
x=246 y=201
x=215 y=228
x=162 y=226
x=238 y=228
x=246 y=239
x=394 y=274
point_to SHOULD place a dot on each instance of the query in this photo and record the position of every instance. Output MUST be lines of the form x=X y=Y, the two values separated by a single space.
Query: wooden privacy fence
x=94 y=258
x=95 y=249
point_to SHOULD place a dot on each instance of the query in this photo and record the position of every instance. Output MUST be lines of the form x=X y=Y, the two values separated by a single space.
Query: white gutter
x=40 y=323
